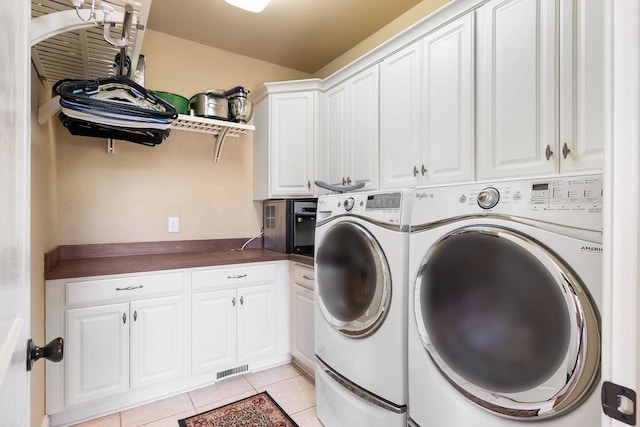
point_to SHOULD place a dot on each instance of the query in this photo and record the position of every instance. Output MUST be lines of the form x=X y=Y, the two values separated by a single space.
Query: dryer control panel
x=388 y=207
x=575 y=201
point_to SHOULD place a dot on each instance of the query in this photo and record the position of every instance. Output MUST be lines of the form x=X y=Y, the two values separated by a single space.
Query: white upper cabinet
x=350 y=139
x=583 y=85
x=448 y=109
x=517 y=103
x=401 y=117
x=285 y=140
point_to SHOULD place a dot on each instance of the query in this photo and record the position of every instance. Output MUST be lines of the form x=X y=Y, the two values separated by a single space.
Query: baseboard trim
x=45 y=421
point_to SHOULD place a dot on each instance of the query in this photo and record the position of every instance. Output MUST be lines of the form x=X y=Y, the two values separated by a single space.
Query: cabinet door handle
x=241 y=300
x=304 y=276
x=348 y=181
x=548 y=153
x=309 y=185
x=130 y=288
x=565 y=150
x=239 y=276
x=124 y=318
x=415 y=171
x=135 y=316
x=233 y=301
x=344 y=181
x=424 y=170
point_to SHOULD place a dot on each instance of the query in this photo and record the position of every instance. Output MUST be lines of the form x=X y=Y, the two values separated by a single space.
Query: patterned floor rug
x=255 y=411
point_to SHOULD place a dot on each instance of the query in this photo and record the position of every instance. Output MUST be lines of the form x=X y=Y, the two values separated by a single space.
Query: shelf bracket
x=48 y=109
x=219 y=143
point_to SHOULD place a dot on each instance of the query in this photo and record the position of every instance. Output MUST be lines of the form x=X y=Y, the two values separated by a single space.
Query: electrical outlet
x=173 y=224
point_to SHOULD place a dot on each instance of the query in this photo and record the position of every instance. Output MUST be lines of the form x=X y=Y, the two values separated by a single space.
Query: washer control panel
x=385 y=207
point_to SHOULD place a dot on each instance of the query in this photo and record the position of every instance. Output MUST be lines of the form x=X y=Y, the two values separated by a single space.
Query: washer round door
x=507 y=323
x=354 y=283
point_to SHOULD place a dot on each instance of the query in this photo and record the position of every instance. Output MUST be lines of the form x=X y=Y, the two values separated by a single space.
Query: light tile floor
x=292 y=390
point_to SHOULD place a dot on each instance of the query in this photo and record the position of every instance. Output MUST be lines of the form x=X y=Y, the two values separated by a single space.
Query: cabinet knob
x=233 y=301
x=565 y=150
x=242 y=300
x=415 y=171
x=344 y=181
x=135 y=316
x=348 y=181
x=309 y=185
x=124 y=317
x=424 y=170
x=548 y=153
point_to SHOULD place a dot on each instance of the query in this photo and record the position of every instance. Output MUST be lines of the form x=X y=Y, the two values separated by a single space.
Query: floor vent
x=232 y=371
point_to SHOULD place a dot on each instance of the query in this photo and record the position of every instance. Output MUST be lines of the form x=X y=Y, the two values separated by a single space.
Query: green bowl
x=180 y=103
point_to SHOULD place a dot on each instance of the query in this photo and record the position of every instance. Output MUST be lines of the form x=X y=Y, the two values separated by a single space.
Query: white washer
x=362 y=245
x=505 y=285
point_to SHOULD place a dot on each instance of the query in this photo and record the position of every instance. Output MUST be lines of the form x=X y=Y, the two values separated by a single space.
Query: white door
x=157 y=340
x=334 y=147
x=621 y=314
x=14 y=212
x=516 y=108
x=364 y=113
x=214 y=331
x=302 y=339
x=400 y=117
x=448 y=103
x=583 y=63
x=292 y=135
x=256 y=323
x=97 y=352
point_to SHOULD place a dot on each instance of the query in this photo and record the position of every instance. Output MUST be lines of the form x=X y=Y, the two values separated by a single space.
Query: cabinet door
x=293 y=132
x=157 y=340
x=214 y=331
x=364 y=106
x=448 y=103
x=256 y=323
x=96 y=352
x=334 y=146
x=583 y=60
x=516 y=109
x=302 y=336
x=400 y=117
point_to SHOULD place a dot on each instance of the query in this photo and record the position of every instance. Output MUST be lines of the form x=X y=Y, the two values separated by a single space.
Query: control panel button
x=349 y=203
x=488 y=198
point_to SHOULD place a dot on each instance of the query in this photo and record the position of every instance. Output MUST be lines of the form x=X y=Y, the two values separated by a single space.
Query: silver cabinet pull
x=135 y=316
x=124 y=317
x=565 y=150
x=548 y=153
x=424 y=170
x=241 y=300
x=239 y=276
x=348 y=181
x=344 y=181
x=233 y=301
x=415 y=171
x=309 y=185
x=304 y=276
x=130 y=288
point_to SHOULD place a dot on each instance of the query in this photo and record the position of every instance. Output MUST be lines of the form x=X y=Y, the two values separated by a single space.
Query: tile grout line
x=276 y=382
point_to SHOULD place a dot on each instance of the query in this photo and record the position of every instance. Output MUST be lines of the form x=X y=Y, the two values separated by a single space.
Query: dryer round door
x=507 y=323
x=354 y=283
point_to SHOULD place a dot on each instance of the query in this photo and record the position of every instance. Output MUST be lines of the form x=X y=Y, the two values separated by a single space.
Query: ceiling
x=301 y=34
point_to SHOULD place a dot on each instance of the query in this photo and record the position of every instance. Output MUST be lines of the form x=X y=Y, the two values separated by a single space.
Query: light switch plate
x=173 y=224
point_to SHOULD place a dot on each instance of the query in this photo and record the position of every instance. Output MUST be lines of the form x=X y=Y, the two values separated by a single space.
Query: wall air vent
x=232 y=371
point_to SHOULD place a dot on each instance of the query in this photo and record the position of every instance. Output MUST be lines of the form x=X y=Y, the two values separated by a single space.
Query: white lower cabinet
x=302 y=306
x=131 y=339
x=232 y=327
x=112 y=348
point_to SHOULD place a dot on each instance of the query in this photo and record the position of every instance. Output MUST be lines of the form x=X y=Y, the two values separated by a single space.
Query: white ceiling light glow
x=255 y=6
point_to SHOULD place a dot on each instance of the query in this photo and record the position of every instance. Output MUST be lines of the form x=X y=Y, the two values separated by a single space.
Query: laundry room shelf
x=210 y=126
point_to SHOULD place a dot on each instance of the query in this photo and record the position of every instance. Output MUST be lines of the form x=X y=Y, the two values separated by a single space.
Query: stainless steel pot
x=212 y=104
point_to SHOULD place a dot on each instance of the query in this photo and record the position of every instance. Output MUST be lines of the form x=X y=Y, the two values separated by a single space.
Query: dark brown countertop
x=66 y=262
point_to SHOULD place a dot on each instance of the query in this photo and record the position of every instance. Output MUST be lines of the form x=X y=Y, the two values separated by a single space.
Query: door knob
x=53 y=351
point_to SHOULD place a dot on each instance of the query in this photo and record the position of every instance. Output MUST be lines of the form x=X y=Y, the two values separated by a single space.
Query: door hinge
x=619 y=402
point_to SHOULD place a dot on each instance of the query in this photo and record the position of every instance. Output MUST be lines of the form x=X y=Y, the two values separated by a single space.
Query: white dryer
x=505 y=285
x=362 y=244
